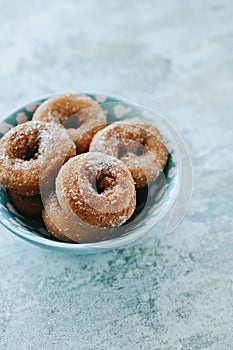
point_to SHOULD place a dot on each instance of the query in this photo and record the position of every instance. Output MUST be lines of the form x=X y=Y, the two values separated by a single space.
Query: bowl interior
x=152 y=202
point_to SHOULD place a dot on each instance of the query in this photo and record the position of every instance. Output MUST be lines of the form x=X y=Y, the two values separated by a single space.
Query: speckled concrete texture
x=164 y=292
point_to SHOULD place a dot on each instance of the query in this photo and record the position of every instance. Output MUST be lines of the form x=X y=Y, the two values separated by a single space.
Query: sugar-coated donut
x=97 y=188
x=31 y=155
x=51 y=213
x=80 y=115
x=68 y=228
x=138 y=144
x=30 y=206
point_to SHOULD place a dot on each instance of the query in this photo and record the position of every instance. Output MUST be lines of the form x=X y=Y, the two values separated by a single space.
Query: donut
x=79 y=114
x=30 y=206
x=51 y=213
x=31 y=155
x=138 y=144
x=98 y=189
x=68 y=228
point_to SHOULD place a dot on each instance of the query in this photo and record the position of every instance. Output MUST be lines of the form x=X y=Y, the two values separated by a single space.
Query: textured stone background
x=165 y=292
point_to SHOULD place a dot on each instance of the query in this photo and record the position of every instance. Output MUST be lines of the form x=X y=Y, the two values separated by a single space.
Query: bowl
x=153 y=203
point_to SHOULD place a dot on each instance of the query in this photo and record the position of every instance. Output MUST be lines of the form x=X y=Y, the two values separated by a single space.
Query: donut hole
x=31 y=152
x=129 y=148
x=26 y=147
x=103 y=182
x=73 y=122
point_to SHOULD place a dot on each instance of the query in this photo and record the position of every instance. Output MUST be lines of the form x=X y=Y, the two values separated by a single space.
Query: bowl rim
x=100 y=245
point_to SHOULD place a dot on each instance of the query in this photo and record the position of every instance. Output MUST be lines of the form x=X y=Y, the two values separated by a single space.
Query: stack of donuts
x=79 y=174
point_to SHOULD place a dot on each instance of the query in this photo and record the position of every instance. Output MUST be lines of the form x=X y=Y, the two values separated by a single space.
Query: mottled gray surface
x=164 y=292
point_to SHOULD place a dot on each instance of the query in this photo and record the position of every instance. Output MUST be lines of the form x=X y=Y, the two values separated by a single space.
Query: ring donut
x=31 y=155
x=138 y=144
x=96 y=188
x=30 y=206
x=79 y=114
x=67 y=227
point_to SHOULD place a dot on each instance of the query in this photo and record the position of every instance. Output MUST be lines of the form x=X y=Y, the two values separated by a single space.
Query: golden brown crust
x=31 y=155
x=80 y=115
x=30 y=206
x=67 y=227
x=97 y=188
x=136 y=143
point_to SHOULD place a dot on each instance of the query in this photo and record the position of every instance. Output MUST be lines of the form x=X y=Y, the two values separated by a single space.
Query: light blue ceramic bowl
x=154 y=203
